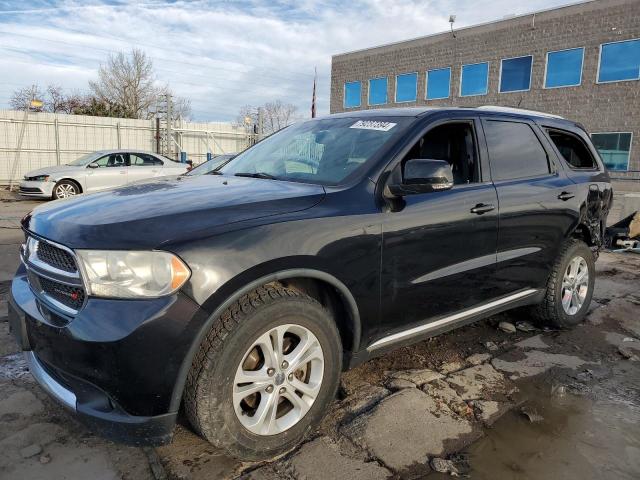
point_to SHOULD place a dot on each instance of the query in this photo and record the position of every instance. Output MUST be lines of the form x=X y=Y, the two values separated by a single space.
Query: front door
x=107 y=172
x=439 y=249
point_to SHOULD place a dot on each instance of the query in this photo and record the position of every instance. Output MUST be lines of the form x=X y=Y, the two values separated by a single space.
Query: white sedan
x=98 y=171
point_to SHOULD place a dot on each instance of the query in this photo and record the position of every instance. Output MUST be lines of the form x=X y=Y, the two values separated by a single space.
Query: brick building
x=580 y=61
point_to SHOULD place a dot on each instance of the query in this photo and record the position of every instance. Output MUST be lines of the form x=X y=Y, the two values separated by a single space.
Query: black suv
x=242 y=294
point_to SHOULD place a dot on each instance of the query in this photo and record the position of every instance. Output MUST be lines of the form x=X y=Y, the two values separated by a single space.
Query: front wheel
x=265 y=373
x=65 y=189
x=570 y=286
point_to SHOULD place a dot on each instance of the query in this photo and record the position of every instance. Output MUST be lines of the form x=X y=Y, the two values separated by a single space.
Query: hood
x=146 y=215
x=52 y=170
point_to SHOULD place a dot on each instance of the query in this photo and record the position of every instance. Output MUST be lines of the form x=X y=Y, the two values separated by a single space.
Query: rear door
x=110 y=171
x=532 y=190
x=143 y=166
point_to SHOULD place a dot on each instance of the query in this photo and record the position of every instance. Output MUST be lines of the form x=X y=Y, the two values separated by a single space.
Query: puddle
x=595 y=436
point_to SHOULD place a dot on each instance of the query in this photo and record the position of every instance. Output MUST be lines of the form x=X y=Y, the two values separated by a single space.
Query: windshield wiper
x=214 y=172
x=267 y=176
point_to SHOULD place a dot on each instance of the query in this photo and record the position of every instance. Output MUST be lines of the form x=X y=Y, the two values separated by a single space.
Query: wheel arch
x=589 y=232
x=72 y=180
x=303 y=279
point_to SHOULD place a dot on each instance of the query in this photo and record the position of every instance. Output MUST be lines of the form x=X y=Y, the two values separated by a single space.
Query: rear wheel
x=265 y=373
x=570 y=286
x=65 y=189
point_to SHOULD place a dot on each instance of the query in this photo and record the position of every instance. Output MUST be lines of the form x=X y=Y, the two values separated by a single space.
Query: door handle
x=566 y=196
x=122 y=172
x=481 y=208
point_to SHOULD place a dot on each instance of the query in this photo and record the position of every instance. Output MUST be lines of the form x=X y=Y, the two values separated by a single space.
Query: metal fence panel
x=38 y=140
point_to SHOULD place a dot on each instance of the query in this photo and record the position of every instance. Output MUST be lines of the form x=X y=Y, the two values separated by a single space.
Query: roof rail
x=497 y=108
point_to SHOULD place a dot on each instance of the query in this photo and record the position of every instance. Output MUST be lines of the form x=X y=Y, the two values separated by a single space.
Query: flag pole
x=313 y=98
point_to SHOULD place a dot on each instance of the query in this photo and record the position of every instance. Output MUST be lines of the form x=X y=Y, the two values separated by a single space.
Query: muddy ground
x=480 y=402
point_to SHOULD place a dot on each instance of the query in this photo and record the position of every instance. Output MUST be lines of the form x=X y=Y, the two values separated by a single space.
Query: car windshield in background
x=84 y=160
x=319 y=151
x=209 y=166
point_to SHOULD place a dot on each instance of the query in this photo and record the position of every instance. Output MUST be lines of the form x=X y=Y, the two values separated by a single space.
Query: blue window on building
x=406 y=87
x=438 y=83
x=515 y=74
x=474 y=79
x=564 y=68
x=619 y=61
x=352 y=91
x=378 y=91
x=614 y=149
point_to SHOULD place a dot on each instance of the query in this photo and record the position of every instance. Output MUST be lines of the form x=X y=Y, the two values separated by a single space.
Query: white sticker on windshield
x=373 y=125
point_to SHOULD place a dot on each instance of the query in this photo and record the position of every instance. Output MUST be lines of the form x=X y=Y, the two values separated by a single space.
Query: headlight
x=39 y=178
x=132 y=274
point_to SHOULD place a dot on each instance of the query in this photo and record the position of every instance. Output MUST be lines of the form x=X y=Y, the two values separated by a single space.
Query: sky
x=220 y=54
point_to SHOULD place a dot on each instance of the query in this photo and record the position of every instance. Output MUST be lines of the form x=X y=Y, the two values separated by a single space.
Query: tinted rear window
x=572 y=149
x=514 y=151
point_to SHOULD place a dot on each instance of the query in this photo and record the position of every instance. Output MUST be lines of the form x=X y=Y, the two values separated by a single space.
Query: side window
x=572 y=149
x=102 y=161
x=135 y=160
x=455 y=143
x=118 y=160
x=151 y=160
x=144 y=160
x=514 y=150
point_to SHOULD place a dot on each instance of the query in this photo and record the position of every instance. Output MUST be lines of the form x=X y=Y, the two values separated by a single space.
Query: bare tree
x=180 y=106
x=127 y=80
x=278 y=115
x=247 y=115
x=275 y=115
x=21 y=98
x=55 y=100
x=125 y=87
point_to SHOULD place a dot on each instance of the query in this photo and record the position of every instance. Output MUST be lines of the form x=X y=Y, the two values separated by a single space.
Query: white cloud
x=220 y=54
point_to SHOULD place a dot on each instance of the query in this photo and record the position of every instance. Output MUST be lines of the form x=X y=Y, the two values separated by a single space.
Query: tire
x=211 y=391
x=552 y=311
x=65 y=189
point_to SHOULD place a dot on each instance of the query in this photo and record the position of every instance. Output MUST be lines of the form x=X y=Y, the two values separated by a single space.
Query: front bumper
x=30 y=188
x=110 y=422
x=115 y=365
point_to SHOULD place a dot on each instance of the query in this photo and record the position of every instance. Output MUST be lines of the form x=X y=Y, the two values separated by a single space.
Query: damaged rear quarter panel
x=595 y=194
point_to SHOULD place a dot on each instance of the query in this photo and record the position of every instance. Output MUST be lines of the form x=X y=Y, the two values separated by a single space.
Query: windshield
x=319 y=151
x=209 y=165
x=85 y=159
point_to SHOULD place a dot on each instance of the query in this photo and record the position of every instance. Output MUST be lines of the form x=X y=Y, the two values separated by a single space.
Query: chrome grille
x=56 y=257
x=53 y=275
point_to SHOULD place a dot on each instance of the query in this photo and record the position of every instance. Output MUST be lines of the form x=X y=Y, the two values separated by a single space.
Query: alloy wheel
x=278 y=379
x=575 y=285
x=65 y=190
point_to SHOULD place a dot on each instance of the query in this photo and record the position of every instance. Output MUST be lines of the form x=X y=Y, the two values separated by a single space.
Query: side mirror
x=92 y=165
x=422 y=176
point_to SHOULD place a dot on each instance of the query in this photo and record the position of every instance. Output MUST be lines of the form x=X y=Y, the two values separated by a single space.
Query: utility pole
x=260 y=123
x=168 y=125
x=164 y=129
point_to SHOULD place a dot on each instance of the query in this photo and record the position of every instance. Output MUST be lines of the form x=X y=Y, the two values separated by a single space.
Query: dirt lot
x=491 y=400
